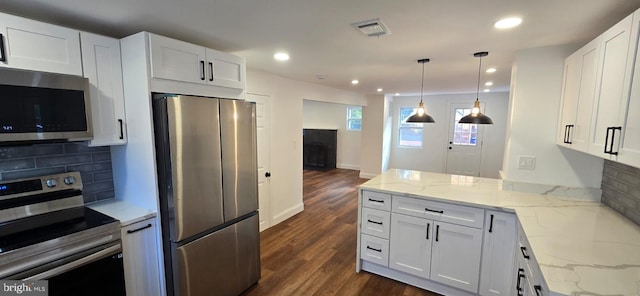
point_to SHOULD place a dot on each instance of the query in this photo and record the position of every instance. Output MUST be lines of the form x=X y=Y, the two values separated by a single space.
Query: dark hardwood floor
x=314 y=252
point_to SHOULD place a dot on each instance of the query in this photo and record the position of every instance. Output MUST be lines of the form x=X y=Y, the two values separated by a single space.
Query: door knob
x=267 y=174
x=450 y=148
x=450 y=142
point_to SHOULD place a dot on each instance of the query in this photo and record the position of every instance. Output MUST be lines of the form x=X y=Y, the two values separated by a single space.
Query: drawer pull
x=538 y=289
x=376 y=200
x=428 y=224
x=519 y=283
x=141 y=228
x=524 y=252
x=374 y=222
x=434 y=211
x=374 y=249
x=491 y=224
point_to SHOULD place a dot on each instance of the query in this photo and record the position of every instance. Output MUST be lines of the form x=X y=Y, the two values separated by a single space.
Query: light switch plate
x=526 y=162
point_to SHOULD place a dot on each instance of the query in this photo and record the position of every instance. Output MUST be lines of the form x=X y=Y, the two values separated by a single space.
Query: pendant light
x=476 y=116
x=421 y=115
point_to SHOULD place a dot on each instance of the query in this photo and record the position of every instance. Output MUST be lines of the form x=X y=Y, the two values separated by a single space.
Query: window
x=465 y=134
x=354 y=118
x=409 y=134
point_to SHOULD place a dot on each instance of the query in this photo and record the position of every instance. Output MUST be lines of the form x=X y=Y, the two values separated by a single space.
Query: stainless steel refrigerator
x=207 y=175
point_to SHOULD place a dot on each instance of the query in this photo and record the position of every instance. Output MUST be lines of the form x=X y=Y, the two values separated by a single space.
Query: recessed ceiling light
x=281 y=56
x=491 y=70
x=488 y=83
x=507 y=23
x=487 y=90
x=355 y=81
x=379 y=89
x=397 y=94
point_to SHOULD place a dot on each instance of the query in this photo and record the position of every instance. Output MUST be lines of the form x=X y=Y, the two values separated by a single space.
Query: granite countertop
x=582 y=247
x=126 y=212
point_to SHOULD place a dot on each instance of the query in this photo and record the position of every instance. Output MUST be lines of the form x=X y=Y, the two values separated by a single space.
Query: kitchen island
x=577 y=247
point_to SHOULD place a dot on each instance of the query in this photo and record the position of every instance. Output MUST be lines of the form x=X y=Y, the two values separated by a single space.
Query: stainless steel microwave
x=39 y=106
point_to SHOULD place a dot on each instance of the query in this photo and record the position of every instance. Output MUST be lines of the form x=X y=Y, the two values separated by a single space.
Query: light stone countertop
x=126 y=212
x=582 y=247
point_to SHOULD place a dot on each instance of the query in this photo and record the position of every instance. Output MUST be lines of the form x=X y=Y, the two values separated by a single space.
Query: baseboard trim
x=367 y=176
x=348 y=166
x=286 y=214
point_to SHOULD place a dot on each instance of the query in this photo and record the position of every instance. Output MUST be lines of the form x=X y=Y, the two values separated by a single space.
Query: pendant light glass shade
x=476 y=117
x=421 y=115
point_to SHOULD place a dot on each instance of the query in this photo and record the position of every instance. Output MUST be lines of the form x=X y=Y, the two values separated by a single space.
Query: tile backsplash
x=621 y=189
x=93 y=163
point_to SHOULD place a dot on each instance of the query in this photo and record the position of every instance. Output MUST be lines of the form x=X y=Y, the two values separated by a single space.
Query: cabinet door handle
x=374 y=249
x=121 y=122
x=570 y=128
x=428 y=224
x=210 y=71
x=437 y=232
x=202 y=70
x=491 y=224
x=141 y=228
x=376 y=200
x=3 y=57
x=538 y=289
x=524 y=252
x=434 y=211
x=613 y=138
x=606 y=140
x=519 y=283
x=374 y=222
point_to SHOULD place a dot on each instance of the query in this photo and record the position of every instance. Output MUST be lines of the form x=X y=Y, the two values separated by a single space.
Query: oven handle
x=75 y=264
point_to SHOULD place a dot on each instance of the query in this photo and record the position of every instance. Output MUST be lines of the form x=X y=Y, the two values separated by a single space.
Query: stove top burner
x=33 y=230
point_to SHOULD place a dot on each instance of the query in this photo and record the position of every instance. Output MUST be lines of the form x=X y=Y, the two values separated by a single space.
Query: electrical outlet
x=526 y=162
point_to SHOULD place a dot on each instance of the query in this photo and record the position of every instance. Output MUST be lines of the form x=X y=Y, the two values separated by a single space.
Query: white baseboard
x=367 y=175
x=286 y=214
x=348 y=166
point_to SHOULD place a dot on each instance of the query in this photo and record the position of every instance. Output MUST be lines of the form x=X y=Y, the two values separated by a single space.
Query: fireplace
x=319 y=149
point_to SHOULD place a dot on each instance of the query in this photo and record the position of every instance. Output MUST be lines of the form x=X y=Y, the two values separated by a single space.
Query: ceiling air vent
x=372 y=28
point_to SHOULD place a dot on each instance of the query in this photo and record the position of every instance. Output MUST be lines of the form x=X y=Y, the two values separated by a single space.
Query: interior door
x=465 y=142
x=263 y=114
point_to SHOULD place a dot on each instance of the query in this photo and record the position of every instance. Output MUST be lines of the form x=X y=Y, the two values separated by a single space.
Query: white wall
x=322 y=115
x=286 y=130
x=373 y=136
x=533 y=111
x=432 y=156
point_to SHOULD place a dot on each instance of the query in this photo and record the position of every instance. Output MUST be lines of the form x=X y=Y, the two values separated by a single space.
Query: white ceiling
x=320 y=40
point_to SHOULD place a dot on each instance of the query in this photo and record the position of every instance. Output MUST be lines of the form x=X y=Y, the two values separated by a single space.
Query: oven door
x=98 y=271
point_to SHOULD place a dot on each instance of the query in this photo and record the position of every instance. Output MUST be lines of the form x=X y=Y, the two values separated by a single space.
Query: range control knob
x=51 y=183
x=69 y=180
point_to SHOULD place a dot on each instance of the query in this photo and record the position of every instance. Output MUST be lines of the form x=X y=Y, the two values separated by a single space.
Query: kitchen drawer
x=374 y=249
x=532 y=268
x=376 y=200
x=438 y=211
x=376 y=222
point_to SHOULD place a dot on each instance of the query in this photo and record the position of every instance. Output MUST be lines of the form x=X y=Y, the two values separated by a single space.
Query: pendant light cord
x=422 y=86
x=478 y=89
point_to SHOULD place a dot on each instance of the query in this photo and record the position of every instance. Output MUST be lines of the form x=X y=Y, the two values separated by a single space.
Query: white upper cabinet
x=612 y=89
x=181 y=61
x=577 y=97
x=38 y=46
x=177 y=60
x=629 y=152
x=102 y=66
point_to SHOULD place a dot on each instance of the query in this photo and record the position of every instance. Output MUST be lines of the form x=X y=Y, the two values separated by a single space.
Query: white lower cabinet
x=498 y=251
x=141 y=269
x=455 y=258
x=410 y=245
